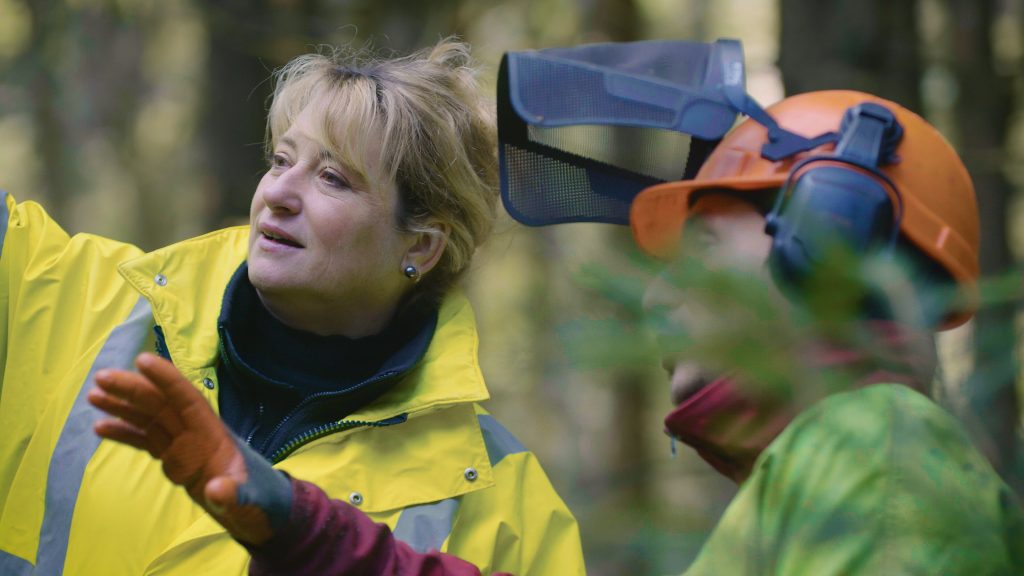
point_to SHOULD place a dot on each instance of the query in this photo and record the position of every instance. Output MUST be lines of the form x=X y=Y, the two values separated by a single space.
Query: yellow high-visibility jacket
x=448 y=476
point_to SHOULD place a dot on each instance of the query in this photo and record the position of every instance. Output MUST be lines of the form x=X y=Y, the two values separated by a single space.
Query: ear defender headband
x=840 y=197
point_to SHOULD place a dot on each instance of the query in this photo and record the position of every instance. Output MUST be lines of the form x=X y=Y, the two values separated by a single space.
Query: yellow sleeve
x=27 y=236
x=57 y=294
x=520 y=525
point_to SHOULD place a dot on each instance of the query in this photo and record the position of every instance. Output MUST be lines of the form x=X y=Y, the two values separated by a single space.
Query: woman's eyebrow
x=287 y=141
x=330 y=158
x=326 y=155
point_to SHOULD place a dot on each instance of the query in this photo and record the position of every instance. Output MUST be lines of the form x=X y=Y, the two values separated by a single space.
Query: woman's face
x=324 y=251
x=723 y=232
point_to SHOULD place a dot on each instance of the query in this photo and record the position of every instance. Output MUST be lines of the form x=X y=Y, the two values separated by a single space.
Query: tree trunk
x=406 y=26
x=619 y=21
x=248 y=41
x=867 y=45
x=48 y=25
x=237 y=86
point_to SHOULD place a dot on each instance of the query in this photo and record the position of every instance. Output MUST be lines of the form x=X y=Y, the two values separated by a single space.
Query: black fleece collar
x=276 y=381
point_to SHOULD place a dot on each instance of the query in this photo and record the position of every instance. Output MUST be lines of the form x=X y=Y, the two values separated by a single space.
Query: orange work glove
x=158 y=410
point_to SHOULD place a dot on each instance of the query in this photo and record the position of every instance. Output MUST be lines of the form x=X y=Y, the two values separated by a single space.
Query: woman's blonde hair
x=423 y=127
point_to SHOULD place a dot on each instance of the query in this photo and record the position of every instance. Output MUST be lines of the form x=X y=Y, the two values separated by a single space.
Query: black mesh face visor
x=583 y=130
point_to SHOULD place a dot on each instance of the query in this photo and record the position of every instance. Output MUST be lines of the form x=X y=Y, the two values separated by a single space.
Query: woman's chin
x=270 y=277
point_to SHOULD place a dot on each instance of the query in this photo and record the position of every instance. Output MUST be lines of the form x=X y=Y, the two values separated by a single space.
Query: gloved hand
x=158 y=410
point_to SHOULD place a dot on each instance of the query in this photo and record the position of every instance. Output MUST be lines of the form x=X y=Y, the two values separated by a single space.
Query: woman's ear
x=428 y=247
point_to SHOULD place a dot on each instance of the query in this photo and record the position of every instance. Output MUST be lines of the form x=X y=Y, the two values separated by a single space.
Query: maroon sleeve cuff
x=325 y=536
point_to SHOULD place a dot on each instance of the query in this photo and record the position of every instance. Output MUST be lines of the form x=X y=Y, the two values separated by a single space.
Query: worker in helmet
x=871 y=478
x=875 y=477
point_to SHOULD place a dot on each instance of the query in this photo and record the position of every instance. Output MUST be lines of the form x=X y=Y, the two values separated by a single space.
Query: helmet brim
x=658 y=213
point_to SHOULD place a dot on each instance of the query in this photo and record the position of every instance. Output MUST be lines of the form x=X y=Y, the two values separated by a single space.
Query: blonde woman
x=328 y=335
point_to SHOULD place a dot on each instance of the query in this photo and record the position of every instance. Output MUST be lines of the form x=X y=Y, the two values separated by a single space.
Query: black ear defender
x=840 y=197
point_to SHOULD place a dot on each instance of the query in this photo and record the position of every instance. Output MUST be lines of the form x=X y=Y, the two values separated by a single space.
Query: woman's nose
x=283 y=192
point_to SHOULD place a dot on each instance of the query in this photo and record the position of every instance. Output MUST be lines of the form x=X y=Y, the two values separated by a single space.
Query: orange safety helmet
x=939 y=213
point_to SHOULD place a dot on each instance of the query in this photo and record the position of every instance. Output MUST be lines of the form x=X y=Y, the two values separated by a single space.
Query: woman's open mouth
x=272 y=237
x=281 y=240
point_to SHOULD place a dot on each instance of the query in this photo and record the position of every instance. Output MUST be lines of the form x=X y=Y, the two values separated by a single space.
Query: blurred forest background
x=143 y=120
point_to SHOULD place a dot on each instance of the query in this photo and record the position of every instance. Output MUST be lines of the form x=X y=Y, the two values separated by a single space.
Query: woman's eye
x=334 y=179
x=277 y=161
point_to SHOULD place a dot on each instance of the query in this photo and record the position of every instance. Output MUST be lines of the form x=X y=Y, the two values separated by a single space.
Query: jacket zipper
x=298 y=440
x=326 y=430
x=256 y=427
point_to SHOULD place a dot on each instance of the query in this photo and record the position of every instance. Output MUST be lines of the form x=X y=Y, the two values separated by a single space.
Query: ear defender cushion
x=827 y=205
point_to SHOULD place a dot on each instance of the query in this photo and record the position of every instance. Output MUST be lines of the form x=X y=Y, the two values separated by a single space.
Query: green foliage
x=734 y=321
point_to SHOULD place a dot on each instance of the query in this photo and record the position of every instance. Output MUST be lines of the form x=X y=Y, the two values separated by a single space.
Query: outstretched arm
x=289 y=526
x=159 y=411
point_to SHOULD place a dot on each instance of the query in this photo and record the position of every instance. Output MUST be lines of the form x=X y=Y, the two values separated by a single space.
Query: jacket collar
x=312 y=363
x=185 y=283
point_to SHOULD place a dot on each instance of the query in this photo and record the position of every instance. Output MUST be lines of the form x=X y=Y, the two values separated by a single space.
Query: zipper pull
x=256 y=426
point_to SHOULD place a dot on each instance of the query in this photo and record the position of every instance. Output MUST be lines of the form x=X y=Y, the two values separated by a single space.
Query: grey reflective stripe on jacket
x=500 y=442
x=427 y=526
x=11 y=565
x=77 y=444
x=4 y=217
